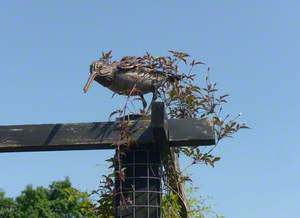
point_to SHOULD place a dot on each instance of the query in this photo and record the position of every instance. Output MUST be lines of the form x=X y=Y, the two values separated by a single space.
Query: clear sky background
x=253 y=50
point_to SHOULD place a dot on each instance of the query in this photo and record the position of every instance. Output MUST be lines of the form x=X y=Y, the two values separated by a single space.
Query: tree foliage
x=59 y=200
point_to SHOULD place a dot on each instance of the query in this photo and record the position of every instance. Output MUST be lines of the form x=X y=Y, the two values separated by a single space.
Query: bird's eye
x=98 y=66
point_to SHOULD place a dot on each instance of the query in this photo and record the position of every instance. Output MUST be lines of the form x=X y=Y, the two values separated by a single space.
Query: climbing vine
x=183 y=98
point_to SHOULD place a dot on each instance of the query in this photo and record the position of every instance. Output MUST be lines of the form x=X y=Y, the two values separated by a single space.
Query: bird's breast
x=104 y=81
x=131 y=82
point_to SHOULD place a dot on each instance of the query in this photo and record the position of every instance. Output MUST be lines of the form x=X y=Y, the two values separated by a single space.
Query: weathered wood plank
x=190 y=132
x=102 y=135
x=73 y=136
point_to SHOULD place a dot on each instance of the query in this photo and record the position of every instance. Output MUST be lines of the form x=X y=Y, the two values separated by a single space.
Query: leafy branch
x=183 y=98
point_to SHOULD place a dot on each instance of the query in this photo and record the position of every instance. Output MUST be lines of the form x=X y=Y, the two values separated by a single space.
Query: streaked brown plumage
x=129 y=76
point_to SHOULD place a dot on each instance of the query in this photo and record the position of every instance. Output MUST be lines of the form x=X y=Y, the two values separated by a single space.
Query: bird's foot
x=143 y=112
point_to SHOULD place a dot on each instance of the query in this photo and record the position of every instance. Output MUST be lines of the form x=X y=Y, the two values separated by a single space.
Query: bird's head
x=99 y=70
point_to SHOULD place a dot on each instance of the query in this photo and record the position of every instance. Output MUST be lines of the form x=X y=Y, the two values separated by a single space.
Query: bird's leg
x=144 y=102
x=154 y=97
x=155 y=93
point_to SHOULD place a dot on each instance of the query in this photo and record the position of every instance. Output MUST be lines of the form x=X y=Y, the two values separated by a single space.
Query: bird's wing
x=129 y=62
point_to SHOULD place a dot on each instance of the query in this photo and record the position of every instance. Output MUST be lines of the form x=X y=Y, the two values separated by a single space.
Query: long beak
x=89 y=82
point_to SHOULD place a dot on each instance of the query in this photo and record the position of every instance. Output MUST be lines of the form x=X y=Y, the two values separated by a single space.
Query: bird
x=130 y=76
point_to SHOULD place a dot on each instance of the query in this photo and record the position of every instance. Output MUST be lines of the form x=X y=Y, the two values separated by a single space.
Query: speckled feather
x=129 y=76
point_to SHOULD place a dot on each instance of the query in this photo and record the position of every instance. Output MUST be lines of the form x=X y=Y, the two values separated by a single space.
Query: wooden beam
x=72 y=136
x=190 y=132
x=103 y=135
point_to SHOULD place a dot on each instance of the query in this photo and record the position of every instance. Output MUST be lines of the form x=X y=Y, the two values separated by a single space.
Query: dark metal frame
x=140 y=194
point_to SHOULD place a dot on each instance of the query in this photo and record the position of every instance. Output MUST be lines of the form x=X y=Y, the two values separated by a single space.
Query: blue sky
x=251 y=46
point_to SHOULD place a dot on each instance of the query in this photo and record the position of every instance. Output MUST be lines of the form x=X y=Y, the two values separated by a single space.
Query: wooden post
x=138 y=194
